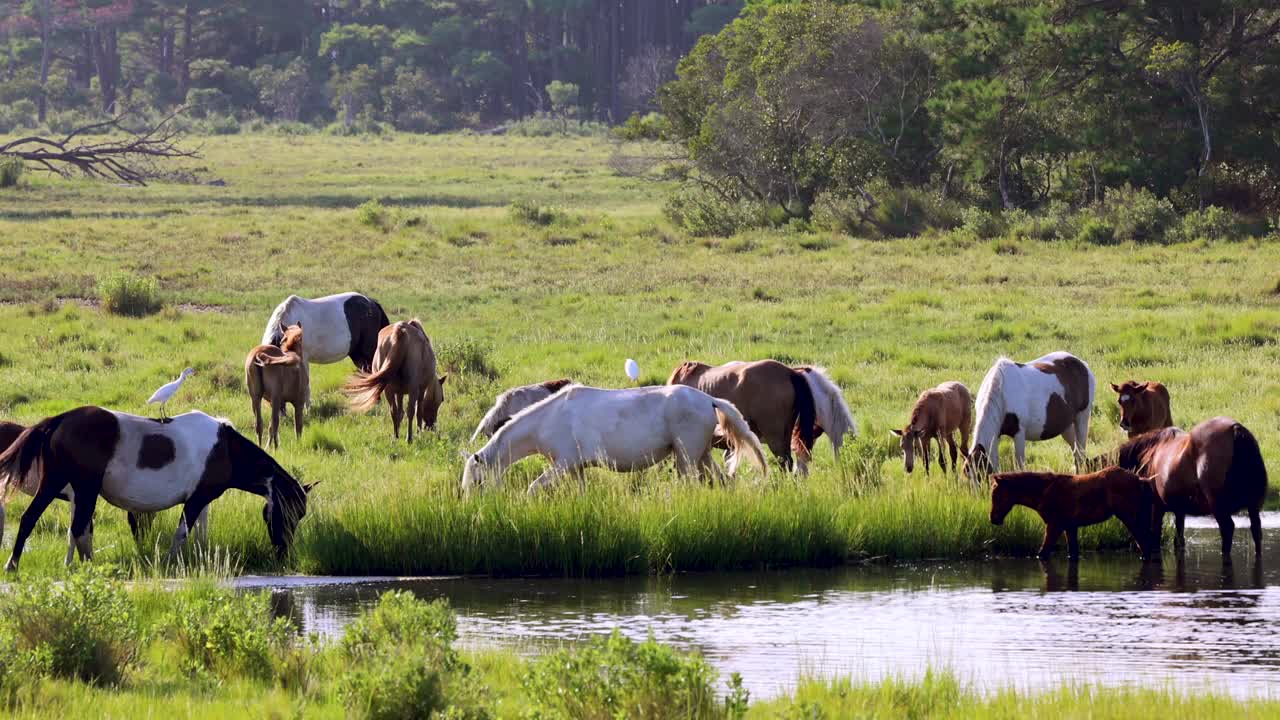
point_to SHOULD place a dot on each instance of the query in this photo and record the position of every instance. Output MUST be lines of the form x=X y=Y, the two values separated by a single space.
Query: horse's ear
x=443 y=378
x=1115 y=387
x=307 y=488
x=896 y=432
x=1143 y=387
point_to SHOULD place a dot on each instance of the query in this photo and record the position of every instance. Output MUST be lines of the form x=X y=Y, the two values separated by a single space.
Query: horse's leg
x=547 y=477
x=1073 y=543
x=202 y=527
x=192 y=509
x=45 y=495
x=1082 y=438
x=276 y=409
x=942 y=451
x=412 y=402
x=393 y=402
x=82 y=507
x=297 y=419
x=955 y=452
x=1179 y=535
x=1227 y=527
x=256 y=401
x=924 y=454
x=1255 y=529
x=1051 y=534
x=1019 y=450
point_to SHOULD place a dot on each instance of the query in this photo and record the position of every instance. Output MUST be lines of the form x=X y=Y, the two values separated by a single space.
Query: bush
x=617 y=677
x=704 y=213
x=227 y=634
x=1211 y=223
x=469 y=357
x=10 y=172
x=17 y=114
x=400 y=618
x=83 y=628
x=375 y=215
x=886 y=211
x=981 y=224
x=1138 y=215
x=543 y=125
x=220 y=125
x=124 y=294
x=652 y=126
x=527 y=213
x=1096 y=231
x=203 y=102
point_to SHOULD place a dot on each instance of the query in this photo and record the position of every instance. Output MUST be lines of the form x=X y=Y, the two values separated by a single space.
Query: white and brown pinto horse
x=626 y=430
x=338 y=326
x=1048 y=397
x=144 y=465
x=511 y=402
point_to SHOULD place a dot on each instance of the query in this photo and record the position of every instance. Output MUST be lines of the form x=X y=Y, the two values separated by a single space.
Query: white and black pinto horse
x=625 y=430
x=511 y=402
x=338 y=326
x=1048 y=397
x=143 y=465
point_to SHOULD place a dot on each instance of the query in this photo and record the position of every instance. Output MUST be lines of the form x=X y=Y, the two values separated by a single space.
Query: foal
x=1069 y=502
x=281 y=376
x=1143 y=407
x=938 y=413
x=404 y=369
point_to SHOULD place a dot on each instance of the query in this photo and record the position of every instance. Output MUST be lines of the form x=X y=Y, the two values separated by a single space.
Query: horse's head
x=1002 y=500
x=256 y=471
x=476 y=473
x=909 y=439
x=1137 y=406
x=977 y=464
x=429 y=410
x=687 y=372
x=291 y=339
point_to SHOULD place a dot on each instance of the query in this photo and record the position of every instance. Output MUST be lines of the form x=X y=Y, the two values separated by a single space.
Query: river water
x=998 y=623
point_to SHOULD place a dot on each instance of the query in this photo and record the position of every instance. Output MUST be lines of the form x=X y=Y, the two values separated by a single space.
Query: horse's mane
x=1130 y=455
x=992 y=383
x=685 y=369
x=527 y=412
x=833 y=412
x=504 y=401
x=277 y=318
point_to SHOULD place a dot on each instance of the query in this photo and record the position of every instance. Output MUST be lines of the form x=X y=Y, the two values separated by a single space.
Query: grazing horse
x=143 y=465
x=280 y=375
x=831 y=411
x=774 y=398
x=338 y=326
x=1070 y=502
x=1039 y=400
x=626 y=430
x=1143 y=407
x=1216 y=469
x=513 y=401
x=938 y=412
x=404 y=369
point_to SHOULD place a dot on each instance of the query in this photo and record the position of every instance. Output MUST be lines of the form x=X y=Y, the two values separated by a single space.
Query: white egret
x=633 y=370
x=168 y=390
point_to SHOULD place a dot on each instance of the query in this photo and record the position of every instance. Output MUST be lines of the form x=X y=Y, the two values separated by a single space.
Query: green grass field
x=598 y=278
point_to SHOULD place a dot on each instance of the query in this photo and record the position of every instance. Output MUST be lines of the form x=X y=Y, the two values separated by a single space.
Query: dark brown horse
x=1143 y=407
x=774 y=398
x=1216 y=469
x=1067 y=503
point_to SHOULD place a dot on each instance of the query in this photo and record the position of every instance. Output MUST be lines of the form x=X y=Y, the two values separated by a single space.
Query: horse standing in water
x=511 y=402
x=281 y=376
x=775 y=399
x=626 y=430
x=937 y=414
x=338 y=326
x=1216 y=469
x=405 y=371
x=142 y=465
x=1067 y=503
x=1143 y=407
x=1039 y=400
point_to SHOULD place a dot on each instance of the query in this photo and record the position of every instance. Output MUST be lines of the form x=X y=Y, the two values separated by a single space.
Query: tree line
x=420 y=65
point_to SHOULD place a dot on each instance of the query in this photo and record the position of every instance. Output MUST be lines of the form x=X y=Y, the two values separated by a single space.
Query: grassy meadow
x=529 y=259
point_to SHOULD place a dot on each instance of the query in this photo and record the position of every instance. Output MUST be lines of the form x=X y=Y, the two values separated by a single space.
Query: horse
x=937 y=414
x=626 y=430
x=775 y=399
x=1143 y=407
x=338 y=326
x=1039 y=400
x=832 y=413
x=140 y=464
x=513 y=401
x=1070 y=502
x=1216 y=469
x=280 y=375
x=404 y=369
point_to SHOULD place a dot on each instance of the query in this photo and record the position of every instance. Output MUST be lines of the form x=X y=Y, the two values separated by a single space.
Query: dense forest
x=420 y=65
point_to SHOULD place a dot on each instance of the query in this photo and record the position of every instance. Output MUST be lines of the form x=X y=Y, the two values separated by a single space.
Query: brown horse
x=1216 y=469
x=281 y=376
x=772 y=397
x=1070 y=502
x=938 y=412
x=1143 y=407
x=404 y=369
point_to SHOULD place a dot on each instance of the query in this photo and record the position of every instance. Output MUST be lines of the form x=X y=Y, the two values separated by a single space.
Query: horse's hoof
x=11 y=567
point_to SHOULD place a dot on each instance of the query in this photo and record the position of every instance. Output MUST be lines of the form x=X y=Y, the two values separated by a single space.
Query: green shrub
x=704 y=213
x=204 y=102
x=527 y=213
x=10 y=172
x=467 y=356
x=1138 y=215
x=617 y=677
x=375 y=215
x=400 y=618
x=400 y=684
x=16 y=115
x=980 y=224
x=1211 y=223
x=651 y=126
x=124 y=294
x=1096 y=231
x=227 y=634
x=220 y=125
x=544 y=125
x=83 y=628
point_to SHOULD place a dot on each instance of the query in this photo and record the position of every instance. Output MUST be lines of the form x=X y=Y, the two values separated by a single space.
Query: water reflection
x=1108 y=618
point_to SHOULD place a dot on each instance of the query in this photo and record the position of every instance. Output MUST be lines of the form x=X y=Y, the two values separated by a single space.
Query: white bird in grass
x=168 y=390
x=633 y=370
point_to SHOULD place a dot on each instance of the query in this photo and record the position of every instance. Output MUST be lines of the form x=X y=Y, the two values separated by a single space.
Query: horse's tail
x=290 y=359
x=738 y=436
x=365 y=389
x=1247 y=468
x=31 y=448
x=805 y=416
